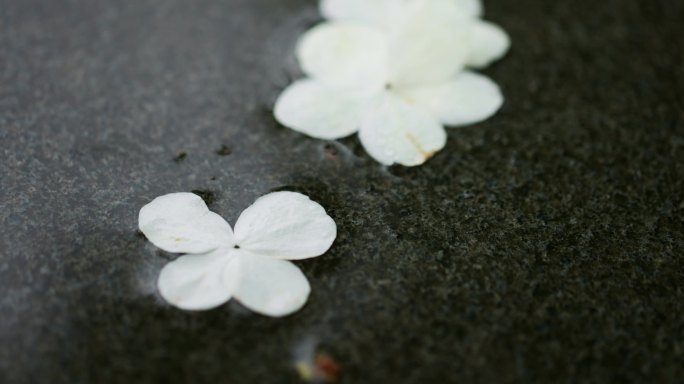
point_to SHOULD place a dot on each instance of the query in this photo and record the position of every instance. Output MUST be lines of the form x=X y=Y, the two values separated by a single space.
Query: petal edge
x=269 y=286
x=320 y=111
x=285 y=225
x=344 y=55
x=489 y=42
x=467 y=99
x=195 y=282
x=396 y=132
x=182 y=223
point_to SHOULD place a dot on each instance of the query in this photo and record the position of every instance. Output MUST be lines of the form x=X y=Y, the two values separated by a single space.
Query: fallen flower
x=249 y=264
x=487 y=41
x=396 y=79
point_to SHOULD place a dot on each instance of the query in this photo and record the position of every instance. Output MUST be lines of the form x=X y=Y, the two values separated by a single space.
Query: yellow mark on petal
x=416 y=143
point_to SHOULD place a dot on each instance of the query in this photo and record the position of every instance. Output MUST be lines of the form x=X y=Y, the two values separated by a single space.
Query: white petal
x=378 y=12
x=182 y=223
x=320 y=111
x=472 y=7
x=286 y=225
x=269 y=286
x=468 y=99
x=196 y=282
x=344 y=55
x=396 y=132
x=489 y=42
x=429 y=42
x=371 y=12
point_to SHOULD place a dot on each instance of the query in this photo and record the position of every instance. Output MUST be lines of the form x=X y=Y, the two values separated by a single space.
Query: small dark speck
x=213 y=178
x=224 y=151
x=180 y=157
x=330 y=150
x=209 y=197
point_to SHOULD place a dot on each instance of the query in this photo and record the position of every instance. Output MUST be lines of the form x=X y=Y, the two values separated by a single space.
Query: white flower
x=249 y=264
x=393 y=70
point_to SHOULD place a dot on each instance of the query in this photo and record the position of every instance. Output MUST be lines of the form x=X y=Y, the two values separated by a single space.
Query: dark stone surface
x=544 y=245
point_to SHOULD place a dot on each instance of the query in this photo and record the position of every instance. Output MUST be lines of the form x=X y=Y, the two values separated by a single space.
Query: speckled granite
x=544 y=245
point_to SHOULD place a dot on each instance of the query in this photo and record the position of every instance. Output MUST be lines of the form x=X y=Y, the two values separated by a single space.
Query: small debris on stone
x=323 y=369
x=330 y=150
x=224 y=151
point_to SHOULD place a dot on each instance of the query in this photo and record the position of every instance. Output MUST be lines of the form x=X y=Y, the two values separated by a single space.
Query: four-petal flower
x=393 y=70
x=250 y=264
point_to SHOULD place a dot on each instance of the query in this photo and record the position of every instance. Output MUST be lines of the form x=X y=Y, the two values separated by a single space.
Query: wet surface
x=544 y=245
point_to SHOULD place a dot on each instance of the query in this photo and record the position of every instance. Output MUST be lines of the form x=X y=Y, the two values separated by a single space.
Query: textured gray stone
x=544 y=245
